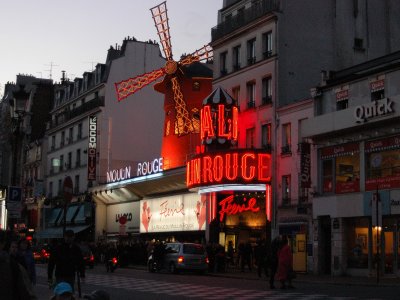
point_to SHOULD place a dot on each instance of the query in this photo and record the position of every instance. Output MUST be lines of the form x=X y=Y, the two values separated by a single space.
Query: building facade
x=356 y=130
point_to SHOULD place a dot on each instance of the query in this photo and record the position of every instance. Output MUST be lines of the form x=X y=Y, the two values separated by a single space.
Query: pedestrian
x=275 y=245
x=14 y=280
x=63 y=291
x=26 y=253
x=230 y=253
x=66 y=259
x=98 y=295
x=261 y=258
x=285 y=264
x=246 y=256
x=15 y=254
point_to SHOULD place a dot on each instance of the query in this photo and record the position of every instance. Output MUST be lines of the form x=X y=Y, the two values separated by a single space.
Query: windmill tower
x=185 y=84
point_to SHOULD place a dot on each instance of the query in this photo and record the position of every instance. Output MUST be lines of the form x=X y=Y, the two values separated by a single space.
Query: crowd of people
x=274 y=260
x=18 y=270
x=66 y=265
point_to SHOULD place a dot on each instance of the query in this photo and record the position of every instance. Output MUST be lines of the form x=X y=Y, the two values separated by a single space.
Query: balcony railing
x=68 y=115
x=249 y=15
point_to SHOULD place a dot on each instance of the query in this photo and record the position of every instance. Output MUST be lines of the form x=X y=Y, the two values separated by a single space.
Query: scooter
x=152 y=264
x=111 y=264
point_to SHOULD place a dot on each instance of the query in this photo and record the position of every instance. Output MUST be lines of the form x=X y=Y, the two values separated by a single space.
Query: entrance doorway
x=325 y=245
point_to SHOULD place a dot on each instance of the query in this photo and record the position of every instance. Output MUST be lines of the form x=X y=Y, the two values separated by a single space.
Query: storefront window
x=357 y=243
x=383 y=165
x=341 y=169
x=327 y=175
x=347 y=174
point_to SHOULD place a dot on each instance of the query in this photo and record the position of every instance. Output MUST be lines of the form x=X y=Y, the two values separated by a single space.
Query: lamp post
x=18 y=111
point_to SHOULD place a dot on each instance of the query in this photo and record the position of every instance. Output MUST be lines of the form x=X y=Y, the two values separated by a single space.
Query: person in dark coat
x=26 y=252
x=261 y=256
x=66 y=259
x=14 y=280
x=275 y=246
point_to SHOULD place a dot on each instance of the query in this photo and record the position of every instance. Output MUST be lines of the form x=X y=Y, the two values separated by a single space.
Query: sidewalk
x=386 y=280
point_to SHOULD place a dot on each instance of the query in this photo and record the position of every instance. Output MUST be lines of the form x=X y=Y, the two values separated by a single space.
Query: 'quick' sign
x=376 y=108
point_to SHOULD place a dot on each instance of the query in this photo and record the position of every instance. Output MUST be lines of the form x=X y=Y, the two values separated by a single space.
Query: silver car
x=183 y=256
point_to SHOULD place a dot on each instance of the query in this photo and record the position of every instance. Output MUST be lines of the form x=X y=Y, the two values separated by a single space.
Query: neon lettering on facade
x=228 y=207
x=92 y=149
x=225 y=122
x=233 y=166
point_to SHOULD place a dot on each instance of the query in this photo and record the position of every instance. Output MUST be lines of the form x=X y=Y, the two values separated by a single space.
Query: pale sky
x=74 y=35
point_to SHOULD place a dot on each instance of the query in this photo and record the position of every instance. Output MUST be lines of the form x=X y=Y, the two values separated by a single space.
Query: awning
x=57 y=232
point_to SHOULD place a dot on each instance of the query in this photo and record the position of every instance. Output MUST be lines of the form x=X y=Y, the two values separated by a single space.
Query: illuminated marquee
x=233 y=166
x=221 y=123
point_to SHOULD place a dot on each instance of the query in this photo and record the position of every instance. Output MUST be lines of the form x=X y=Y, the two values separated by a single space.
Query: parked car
x=41 y=254
x=181 y=256
x=88 y=256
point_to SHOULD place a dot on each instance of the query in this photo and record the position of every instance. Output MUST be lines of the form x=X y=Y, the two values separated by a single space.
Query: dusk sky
x=75 y=35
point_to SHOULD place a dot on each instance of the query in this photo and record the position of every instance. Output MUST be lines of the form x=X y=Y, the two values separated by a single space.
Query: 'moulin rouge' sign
x=247 y=166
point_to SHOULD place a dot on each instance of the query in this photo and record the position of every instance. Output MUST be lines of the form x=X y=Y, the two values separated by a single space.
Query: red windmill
x=185 y=85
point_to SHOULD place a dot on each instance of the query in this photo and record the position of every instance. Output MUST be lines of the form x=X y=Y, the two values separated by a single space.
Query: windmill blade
x=205 y=53
x=130 y=86
x=183 y=121
x=160 y=18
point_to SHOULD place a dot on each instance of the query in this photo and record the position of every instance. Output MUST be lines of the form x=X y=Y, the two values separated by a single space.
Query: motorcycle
x=153 y=264
x=111 y=264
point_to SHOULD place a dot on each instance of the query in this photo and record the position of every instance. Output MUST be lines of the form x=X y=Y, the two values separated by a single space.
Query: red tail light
x=114 y=260
x=207 y=260
x=180 y=259
x=91 y=258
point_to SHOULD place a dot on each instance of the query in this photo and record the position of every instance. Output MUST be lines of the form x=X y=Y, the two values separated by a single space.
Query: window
x=357 y=242
x=359 y=44
x=228 y=17
x=251 y=52
x=266 y=136
x=71 y=135
x=79 y=131
x=222 y=63
x=266 y=90
x=267 y=44
x=62 y=138
x=236 y=58
x=250 y=134
x=69 y=163
x=61 y=162
x=341 y=168
x=286 y=189
x=59 y=191
x=382 y=166
x=286 y=139
x=251 y=94
x=53 y=142
x=76 y=185
x=377 y=90
x=236 y=93
x=327 y=175
x=78 y=158
x=340 y=105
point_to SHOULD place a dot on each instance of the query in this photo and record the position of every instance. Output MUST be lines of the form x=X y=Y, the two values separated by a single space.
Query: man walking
x=66 y=259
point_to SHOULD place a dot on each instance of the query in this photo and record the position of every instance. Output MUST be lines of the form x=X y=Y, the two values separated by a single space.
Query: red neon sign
x=230 y=208
x=232 y=166
x=224 y=121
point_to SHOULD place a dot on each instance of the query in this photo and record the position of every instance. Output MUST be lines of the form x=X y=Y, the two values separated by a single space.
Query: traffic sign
x=68 y=189
x=14 y=194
